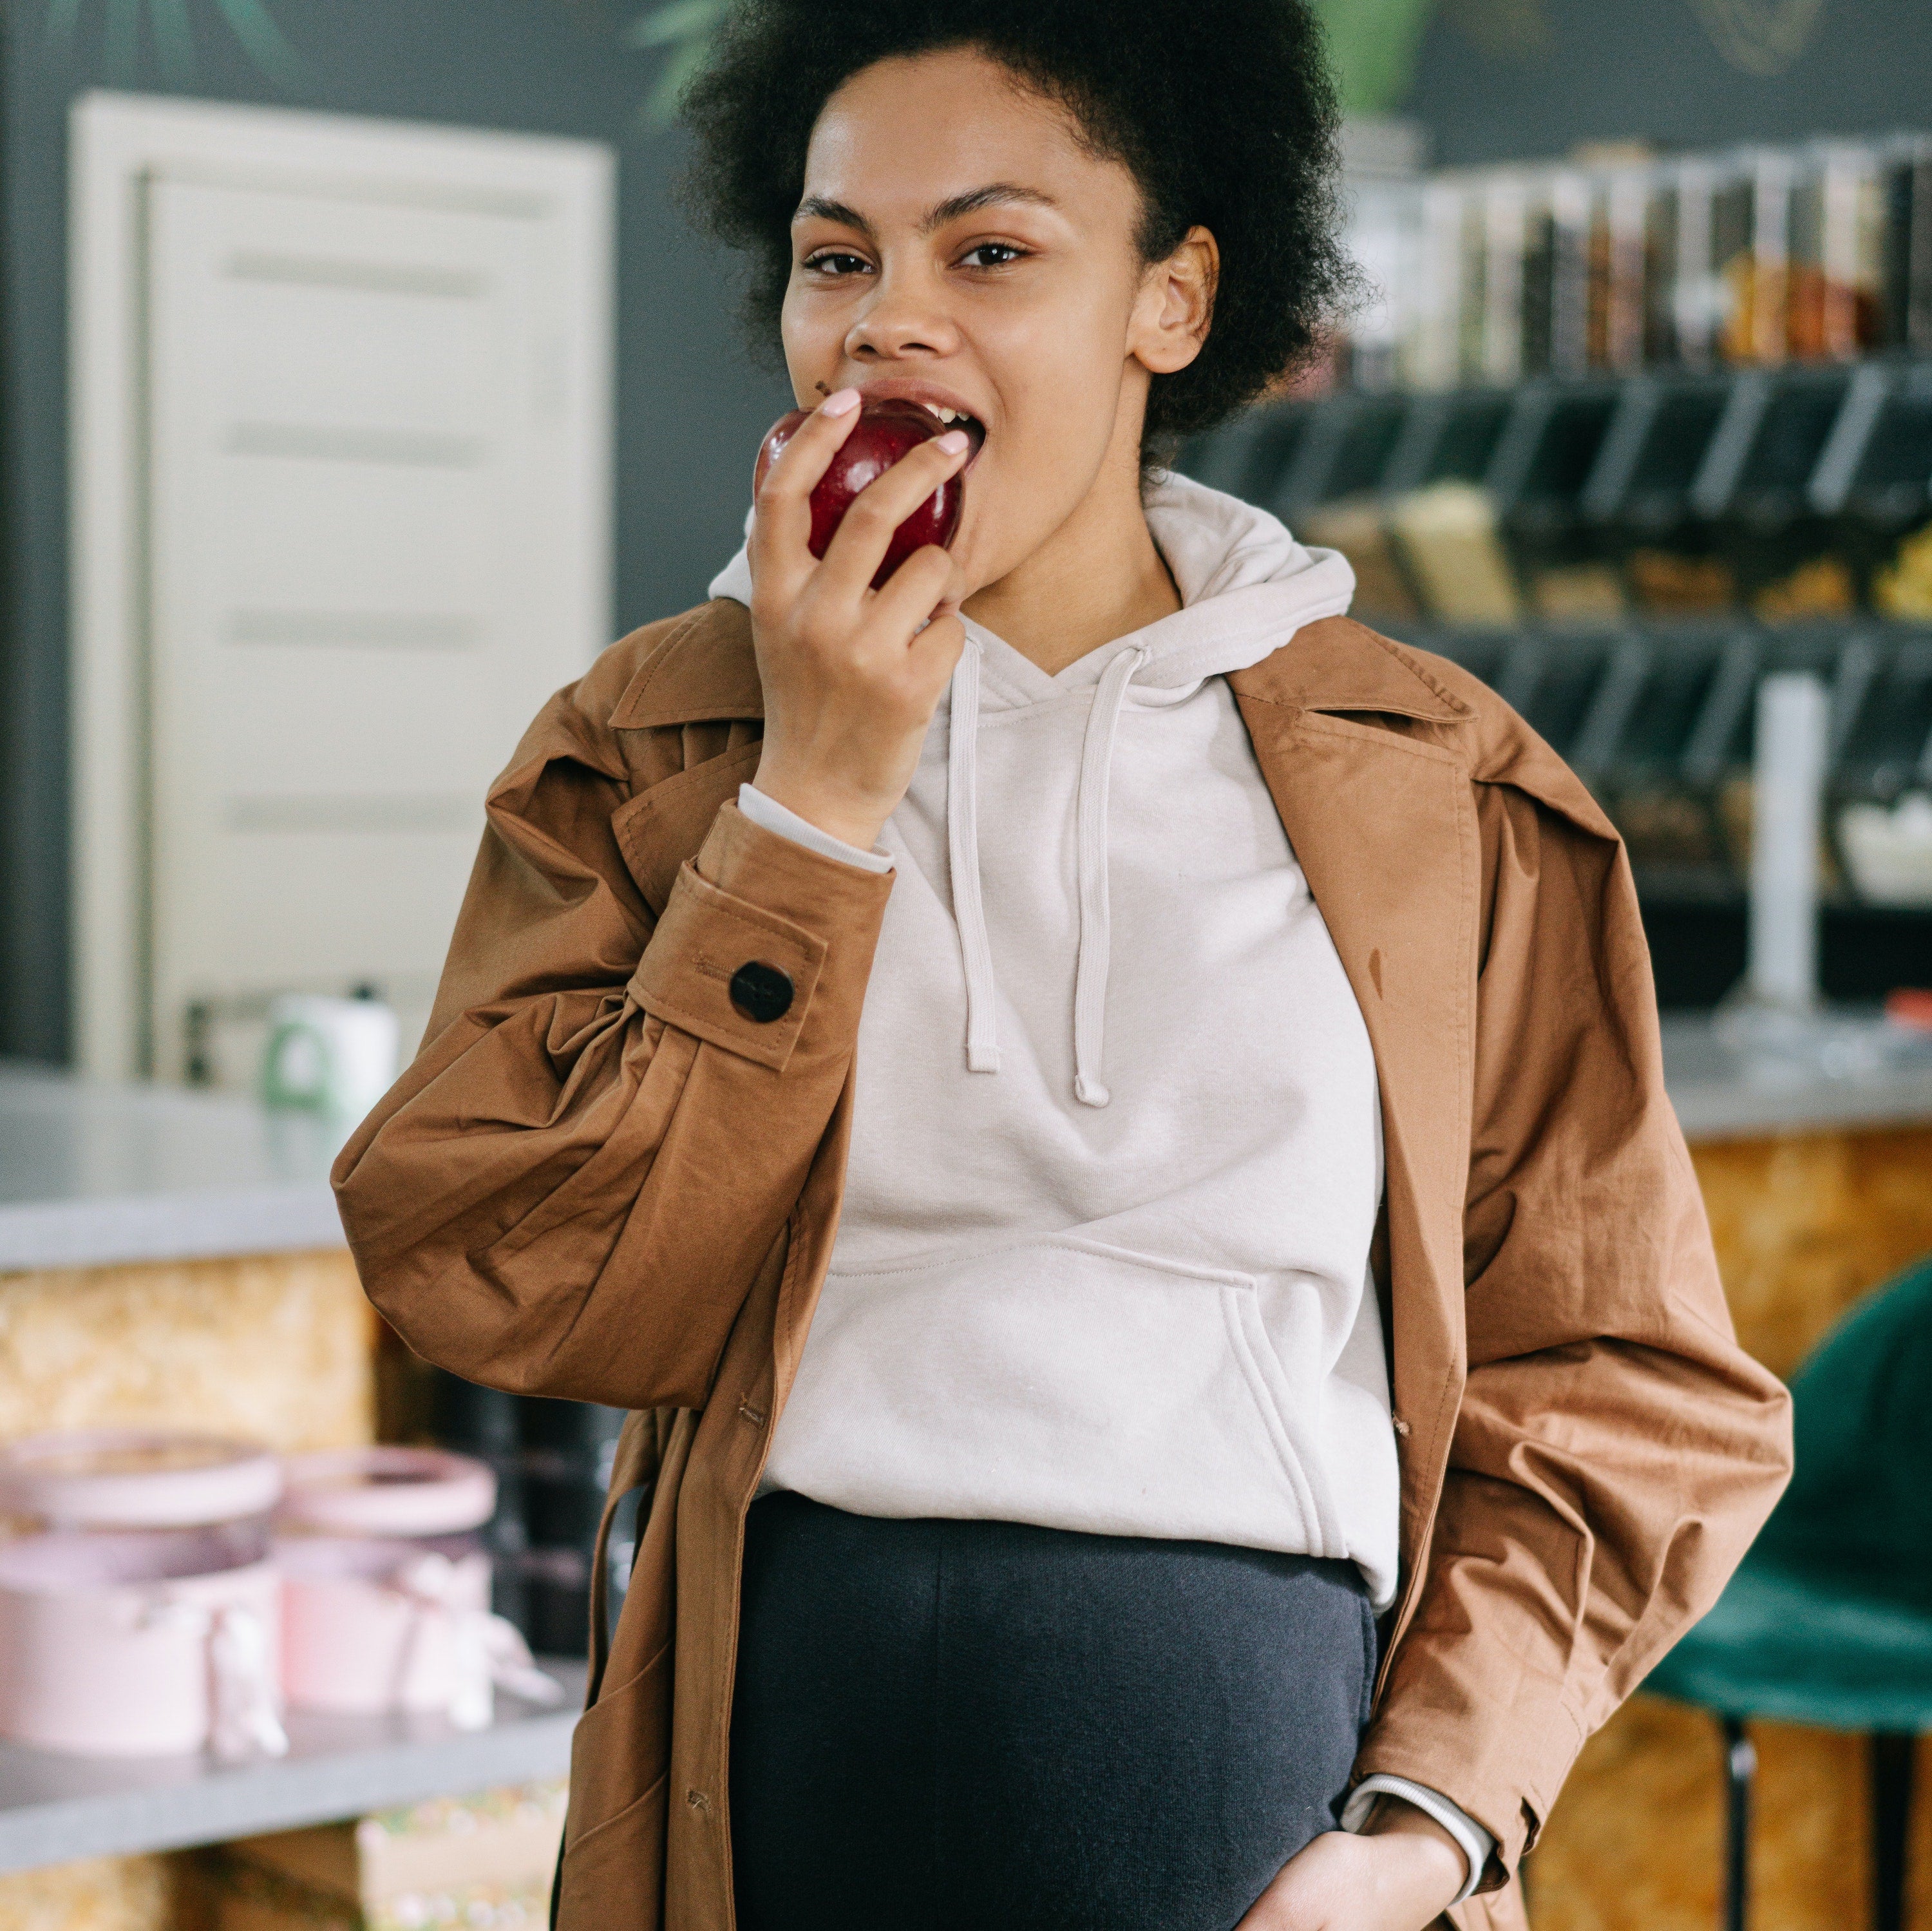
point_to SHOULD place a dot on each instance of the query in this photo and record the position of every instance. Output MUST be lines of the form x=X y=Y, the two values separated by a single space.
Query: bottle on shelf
x=1906 y=279
x=1817 y=251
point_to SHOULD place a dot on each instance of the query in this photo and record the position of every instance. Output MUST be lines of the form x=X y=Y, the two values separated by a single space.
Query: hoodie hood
x=1245 y=587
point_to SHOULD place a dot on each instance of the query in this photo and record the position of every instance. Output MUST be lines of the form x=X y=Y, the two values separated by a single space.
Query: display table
x=174 y=1259
x=56 y=1808
x=91 y=1174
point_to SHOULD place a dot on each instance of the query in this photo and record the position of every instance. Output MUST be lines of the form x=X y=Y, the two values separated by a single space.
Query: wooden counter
x=1805 y=1223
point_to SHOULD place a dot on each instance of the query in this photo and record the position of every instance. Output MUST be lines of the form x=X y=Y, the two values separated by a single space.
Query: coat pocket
x=613 y=1877
x=621 y=1748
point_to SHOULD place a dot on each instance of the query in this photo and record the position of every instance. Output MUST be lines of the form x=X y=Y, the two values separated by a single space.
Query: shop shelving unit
x=1623 y=559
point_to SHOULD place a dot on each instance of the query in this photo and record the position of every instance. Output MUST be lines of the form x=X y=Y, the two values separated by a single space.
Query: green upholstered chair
x=1828 y=1622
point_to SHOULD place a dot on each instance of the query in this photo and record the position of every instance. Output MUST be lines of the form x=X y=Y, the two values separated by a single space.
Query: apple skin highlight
x=884 y=432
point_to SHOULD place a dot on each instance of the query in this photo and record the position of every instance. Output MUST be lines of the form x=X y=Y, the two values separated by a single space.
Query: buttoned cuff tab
x=774 y=817
x=1476 y=1843
x=762 y=942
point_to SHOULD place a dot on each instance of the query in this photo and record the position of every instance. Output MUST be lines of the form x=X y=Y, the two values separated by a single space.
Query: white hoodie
x=1116 y=1157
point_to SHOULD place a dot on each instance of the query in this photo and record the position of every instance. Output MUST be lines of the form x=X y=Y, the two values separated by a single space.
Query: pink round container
x=387 y=1491
x=109 y=1644
x=136 y=1478
x=371 y=1625
x=384 y=1593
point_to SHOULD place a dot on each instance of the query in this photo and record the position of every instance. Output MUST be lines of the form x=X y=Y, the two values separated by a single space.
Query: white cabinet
x=341 y=525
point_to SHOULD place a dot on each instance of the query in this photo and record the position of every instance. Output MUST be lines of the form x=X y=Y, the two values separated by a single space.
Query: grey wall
x=690 y=406
x=1501 y=79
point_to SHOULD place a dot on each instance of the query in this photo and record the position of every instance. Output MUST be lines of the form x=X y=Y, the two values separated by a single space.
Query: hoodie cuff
x=1475 y=1843
x=774 y=817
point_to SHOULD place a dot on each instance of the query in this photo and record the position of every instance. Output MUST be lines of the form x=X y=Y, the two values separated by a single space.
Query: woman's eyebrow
x=995 y=194
x=816 y=208
x=998 y=193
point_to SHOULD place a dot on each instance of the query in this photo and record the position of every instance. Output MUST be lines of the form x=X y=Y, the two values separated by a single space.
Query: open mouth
x=957 y=419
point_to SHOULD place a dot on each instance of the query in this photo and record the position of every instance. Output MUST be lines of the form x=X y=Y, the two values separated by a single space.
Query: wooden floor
x=1804 y=1226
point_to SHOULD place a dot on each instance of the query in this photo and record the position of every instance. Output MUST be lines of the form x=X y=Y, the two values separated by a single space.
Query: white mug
x=335 y=1056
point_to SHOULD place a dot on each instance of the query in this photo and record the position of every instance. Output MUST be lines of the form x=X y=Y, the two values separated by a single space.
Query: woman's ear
x=1175 y=307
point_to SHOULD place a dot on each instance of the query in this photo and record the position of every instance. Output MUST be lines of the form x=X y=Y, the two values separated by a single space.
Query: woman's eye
x=991 y=254
x=835 y=261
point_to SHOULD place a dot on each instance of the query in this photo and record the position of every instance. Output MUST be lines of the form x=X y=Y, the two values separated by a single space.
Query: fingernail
x=953 y=441
x=841 y=402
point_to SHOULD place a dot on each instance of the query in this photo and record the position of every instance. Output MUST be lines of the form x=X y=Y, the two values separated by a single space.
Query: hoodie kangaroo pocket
x=1061 y=1381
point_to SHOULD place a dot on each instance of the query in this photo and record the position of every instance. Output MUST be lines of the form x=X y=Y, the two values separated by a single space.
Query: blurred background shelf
x=54 y=1808
x=1623 y=558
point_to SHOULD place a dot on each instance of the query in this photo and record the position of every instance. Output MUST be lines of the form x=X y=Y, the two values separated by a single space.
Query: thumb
x=935 y=649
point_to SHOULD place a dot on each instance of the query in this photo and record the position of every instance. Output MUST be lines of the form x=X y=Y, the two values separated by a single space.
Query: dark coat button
x=761 y=992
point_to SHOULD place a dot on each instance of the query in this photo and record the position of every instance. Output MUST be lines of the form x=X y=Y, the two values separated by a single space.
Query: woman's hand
x=851 y=675
x=1399 y=1875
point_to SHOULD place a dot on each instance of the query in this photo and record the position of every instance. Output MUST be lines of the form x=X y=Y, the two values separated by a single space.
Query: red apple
x=884 y=432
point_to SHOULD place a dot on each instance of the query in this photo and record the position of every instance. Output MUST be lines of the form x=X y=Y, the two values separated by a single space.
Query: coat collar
x=704 y=672
x=1338 y=664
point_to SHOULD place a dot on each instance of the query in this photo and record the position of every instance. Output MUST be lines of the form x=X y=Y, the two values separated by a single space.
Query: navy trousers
x=982 y=1726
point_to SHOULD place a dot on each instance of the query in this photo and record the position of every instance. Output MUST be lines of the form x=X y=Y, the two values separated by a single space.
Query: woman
x=1107 y=1120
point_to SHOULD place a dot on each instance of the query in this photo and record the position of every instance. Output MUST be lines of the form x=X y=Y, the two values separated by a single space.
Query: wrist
x=1438 y=1860
x=832 y=808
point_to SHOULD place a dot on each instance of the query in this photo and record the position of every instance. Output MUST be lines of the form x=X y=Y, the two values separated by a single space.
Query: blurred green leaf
x=687 y=28
x=1373 y=44
x=682 y=21
x=250 y=21
x=263 y=41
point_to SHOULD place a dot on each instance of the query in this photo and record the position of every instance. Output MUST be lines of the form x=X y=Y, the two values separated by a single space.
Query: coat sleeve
x=1616 y=1451
x=571 y=1190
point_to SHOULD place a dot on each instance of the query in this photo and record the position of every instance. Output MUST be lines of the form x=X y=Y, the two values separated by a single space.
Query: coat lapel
x=1383 y=822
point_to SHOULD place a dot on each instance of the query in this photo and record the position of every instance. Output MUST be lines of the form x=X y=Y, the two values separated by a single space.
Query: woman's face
x=957 y=245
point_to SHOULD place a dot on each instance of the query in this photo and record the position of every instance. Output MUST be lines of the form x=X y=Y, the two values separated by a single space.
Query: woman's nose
x=905 y=317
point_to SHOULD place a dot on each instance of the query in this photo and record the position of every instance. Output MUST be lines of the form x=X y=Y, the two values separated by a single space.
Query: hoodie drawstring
x=1090 y=983
x=962 y=844
x=962 y=816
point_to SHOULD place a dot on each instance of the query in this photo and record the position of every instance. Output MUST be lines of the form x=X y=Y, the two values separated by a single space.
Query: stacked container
x=140 y=1615
x=386 y=1588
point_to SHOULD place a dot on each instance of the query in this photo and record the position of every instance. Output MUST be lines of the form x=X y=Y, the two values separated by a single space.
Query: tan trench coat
x=599 y=1180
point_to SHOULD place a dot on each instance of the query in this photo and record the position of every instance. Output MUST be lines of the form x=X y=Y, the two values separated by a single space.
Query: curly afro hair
x=1223 y=110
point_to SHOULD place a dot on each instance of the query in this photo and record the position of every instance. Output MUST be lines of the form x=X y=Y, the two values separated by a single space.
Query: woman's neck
x=1099 y=576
